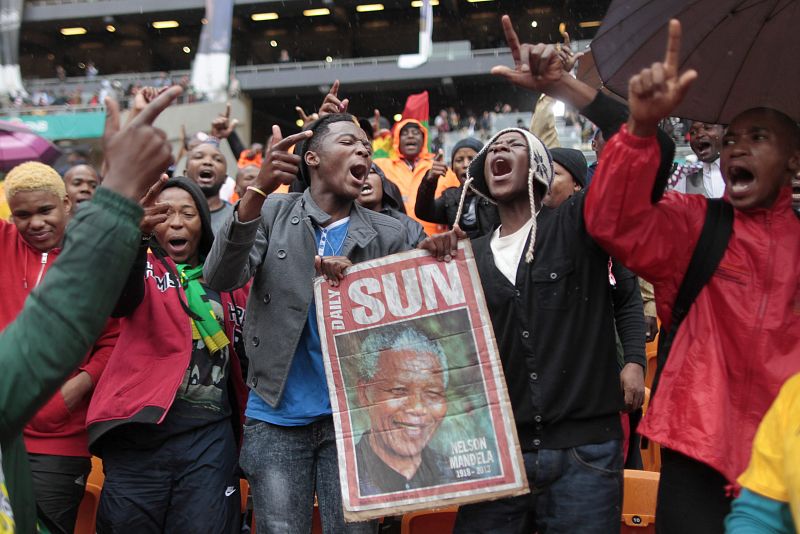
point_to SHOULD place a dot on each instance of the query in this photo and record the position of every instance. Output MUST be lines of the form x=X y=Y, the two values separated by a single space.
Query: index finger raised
x=112 y=119
x=159 y=104
x=227 y=110
x=673 y=44
x=334 y=88
x=511 y=38
x=287 y=142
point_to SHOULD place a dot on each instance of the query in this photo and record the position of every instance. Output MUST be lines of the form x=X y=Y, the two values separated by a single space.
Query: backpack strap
x=708 y=252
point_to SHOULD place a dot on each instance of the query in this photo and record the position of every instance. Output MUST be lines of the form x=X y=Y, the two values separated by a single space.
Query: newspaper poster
x=420 y=405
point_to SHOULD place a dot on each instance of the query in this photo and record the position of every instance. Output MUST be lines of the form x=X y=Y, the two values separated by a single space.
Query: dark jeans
x=572 y=490
x=691 y=497
x=59 y=483
x=285 y=465
x=187 y=484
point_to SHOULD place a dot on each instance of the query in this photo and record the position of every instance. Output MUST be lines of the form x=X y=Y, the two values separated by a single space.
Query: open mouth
x=740 y=181
x=206 y=175
x=501 y=167
x=366 y=189
x=359 y=172
x=178 y=245
x=702 y=146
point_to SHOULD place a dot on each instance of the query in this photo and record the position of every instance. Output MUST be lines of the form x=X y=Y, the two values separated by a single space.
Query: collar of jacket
x=360 y=232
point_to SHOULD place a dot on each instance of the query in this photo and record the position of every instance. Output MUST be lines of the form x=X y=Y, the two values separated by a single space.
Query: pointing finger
x=154 y=190
x=276 y=136
x=227 y=110
x=154 y=108
x=511 y=38
x=439 y=155
x=112 y=119
x=284 y=144
x=673 y=45
x=335 y=88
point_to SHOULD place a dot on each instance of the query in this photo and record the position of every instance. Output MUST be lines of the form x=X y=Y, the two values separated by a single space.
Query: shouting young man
x=281 y=241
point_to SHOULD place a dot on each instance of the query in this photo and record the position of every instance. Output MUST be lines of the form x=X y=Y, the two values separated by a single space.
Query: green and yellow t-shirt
x=774 y=469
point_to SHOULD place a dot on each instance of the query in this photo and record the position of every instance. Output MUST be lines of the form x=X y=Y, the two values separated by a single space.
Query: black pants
x=691 y=497
x=186 y=484
x=59 y=483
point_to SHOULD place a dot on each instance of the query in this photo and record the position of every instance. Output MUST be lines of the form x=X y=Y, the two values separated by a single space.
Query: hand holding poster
x=419 y=401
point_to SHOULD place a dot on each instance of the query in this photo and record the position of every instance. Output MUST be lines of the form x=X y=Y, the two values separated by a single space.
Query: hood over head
x=540 y=176
x=392 y=198
x=207 y=239
x=423 y=153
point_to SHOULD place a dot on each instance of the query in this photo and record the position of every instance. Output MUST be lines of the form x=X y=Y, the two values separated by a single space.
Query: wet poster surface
x=419 y=401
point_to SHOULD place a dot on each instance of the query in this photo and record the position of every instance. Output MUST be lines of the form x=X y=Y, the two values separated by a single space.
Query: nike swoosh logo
x=230 y=490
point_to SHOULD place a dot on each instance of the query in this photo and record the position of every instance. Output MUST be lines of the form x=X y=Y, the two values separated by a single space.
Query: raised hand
x=137 y=155
x=536 y=67
x=223 y=126
x=568 y=57
x=154 y=213
x=306 y=118
x=332 y=104
x=279 y=165
x=142 y=98
x=656 y=91
x=438 y=169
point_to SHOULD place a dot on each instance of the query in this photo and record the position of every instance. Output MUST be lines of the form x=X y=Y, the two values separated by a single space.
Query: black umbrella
x=745 y=52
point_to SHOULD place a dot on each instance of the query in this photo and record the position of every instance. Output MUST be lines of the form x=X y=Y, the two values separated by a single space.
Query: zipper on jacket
x=41 y=269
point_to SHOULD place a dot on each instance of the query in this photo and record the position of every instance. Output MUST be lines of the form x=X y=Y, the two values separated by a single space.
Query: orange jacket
x=407 y=180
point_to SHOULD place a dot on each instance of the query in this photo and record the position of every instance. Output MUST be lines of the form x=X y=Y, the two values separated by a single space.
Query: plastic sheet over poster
x=419 y=400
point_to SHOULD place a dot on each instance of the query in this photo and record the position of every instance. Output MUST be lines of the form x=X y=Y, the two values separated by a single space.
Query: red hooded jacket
x=407 y=180
x=741 y=339
x=153 y=352
x=54 y=429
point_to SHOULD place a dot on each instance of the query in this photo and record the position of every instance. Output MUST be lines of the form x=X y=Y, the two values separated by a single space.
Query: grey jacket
x=277 y=251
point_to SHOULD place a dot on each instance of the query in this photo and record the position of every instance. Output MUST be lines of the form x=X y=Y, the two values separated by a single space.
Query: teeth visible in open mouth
x=366 y=188
x=501 y=167
x=206 y=174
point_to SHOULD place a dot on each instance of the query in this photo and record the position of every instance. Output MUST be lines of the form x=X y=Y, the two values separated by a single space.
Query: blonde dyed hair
x=34 y=176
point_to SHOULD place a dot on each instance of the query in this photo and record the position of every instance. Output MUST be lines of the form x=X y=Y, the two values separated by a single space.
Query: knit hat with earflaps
x=540 y=175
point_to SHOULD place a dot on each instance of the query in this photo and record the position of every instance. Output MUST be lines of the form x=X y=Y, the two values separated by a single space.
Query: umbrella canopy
x=745 y=52
x=18 y=144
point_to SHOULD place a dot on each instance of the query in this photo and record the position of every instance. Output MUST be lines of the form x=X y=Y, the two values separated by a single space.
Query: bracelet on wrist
x=256 y=190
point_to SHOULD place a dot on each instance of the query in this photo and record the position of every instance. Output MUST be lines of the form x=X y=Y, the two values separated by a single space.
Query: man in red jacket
x=741 y=339
x=56 y=437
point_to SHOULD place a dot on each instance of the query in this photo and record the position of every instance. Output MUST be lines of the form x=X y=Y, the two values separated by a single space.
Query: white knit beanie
x=540 y=172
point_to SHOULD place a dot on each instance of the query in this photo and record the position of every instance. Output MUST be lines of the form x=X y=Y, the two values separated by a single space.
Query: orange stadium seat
x=439 y=521
x=651 y=453
x=87 y=513
x=639 y=502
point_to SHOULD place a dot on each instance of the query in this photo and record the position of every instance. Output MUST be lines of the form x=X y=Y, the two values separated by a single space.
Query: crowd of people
x=73 y=96
x=166 y=323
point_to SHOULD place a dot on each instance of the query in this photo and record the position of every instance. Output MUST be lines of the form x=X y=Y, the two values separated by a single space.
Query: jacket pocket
x=52 y=417
x=551 y=284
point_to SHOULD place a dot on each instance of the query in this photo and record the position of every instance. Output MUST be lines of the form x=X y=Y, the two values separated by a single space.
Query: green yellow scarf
x=206 y=327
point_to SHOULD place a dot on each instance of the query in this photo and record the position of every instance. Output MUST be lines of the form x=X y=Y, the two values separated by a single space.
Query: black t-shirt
x=375 y=477
x=202 y=397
